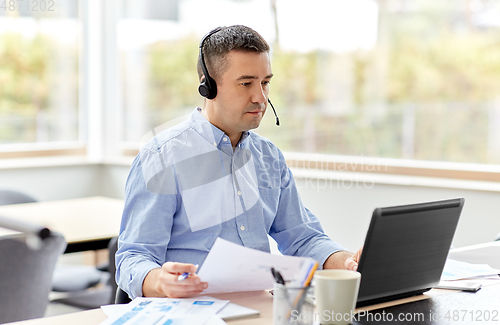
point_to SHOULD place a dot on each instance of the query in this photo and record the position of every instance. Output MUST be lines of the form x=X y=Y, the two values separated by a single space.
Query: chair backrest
x=121 y=297
x=112 y=248
x=14 y=197
x=26 y=276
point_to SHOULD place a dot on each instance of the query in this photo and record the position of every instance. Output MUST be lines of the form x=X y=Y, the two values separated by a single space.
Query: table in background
x=86 y=223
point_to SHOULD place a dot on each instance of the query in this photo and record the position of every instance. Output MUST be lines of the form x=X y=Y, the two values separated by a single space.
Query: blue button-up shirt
x=188 y=186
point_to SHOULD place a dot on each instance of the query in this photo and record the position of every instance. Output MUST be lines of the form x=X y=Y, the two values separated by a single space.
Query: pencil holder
x=292 y=305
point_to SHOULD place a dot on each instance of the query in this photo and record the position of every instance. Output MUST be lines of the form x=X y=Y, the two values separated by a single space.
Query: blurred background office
x=381 y=102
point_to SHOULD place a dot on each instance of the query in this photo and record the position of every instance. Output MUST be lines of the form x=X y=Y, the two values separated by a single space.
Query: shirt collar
x=210 y=132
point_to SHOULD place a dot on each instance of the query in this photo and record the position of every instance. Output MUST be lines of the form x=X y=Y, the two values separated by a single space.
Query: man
x=211 y=177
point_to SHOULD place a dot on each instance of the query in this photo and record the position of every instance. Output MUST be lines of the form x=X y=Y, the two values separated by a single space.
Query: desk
x=436 y=303
x=86 y=223
x=485 y=299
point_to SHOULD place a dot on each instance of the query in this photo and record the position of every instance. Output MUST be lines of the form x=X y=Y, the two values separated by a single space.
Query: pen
x=184 y=275
x=277 y=276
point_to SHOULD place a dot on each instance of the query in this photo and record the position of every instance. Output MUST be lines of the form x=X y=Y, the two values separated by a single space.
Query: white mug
x=336 y=292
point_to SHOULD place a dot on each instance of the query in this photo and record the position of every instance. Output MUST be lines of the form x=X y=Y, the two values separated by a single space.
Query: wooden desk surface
x=79 y=220
x=260 y=300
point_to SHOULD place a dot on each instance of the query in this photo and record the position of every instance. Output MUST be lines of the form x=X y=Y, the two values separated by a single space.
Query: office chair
x=96 y=297
x=65 y=278
x=112 y=295
x=26 y=276
x=121 y=297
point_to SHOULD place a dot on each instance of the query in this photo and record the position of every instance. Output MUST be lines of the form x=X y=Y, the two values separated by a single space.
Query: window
x=395 y=79
x=39 y=74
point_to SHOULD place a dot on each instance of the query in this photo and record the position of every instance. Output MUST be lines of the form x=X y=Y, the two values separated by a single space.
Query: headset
x=208 y=86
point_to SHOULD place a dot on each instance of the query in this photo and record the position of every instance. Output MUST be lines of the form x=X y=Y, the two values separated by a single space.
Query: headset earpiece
x=205 y=90
x=208 y=86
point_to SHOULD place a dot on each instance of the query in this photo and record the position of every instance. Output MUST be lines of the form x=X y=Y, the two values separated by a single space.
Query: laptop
x=405 y=249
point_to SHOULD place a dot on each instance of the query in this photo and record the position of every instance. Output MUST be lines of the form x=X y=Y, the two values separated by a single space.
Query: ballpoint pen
x=277 y=276
x=184 y=275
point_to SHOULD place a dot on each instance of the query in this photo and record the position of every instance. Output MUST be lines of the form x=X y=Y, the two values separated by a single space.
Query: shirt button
x=225 y=139
x=215 y=144
x=239 y=192
x=242 y=227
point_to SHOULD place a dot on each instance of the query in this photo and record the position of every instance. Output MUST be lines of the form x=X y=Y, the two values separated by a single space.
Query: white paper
x=168 y=311
x=215 y=320
x=233 y=311
x=114 y=310
x=455 y=270
x=230 y=267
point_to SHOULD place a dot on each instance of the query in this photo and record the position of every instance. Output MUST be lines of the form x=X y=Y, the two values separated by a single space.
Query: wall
x=344 y=211
x=66 y=179
x=50 y=183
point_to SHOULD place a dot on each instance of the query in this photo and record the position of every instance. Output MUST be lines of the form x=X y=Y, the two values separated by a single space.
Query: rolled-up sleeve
x=296 y=230
x=144 y=233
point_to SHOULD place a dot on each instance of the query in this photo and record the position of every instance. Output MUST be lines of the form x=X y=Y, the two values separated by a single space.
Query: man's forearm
x=337 y=260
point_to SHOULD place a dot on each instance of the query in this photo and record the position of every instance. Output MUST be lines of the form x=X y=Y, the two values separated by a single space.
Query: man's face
x=242 y=92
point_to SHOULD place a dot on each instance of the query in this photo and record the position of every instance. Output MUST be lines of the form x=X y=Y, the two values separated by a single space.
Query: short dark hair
x=232 y=38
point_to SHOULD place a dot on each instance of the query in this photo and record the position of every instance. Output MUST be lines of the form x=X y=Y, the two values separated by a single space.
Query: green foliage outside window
x=445 y=88
x=29 y=107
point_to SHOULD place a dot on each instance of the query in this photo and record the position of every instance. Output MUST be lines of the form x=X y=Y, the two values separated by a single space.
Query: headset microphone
x=277 y=118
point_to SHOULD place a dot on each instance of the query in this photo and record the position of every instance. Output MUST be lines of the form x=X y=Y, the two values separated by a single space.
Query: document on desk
x=456 y=270
x=144 y=311
x=230 y=267
x=229 y=312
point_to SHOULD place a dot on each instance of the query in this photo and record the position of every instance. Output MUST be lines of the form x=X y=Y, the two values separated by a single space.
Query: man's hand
x=352 y=262
x=343 y=260
x=163 y=282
